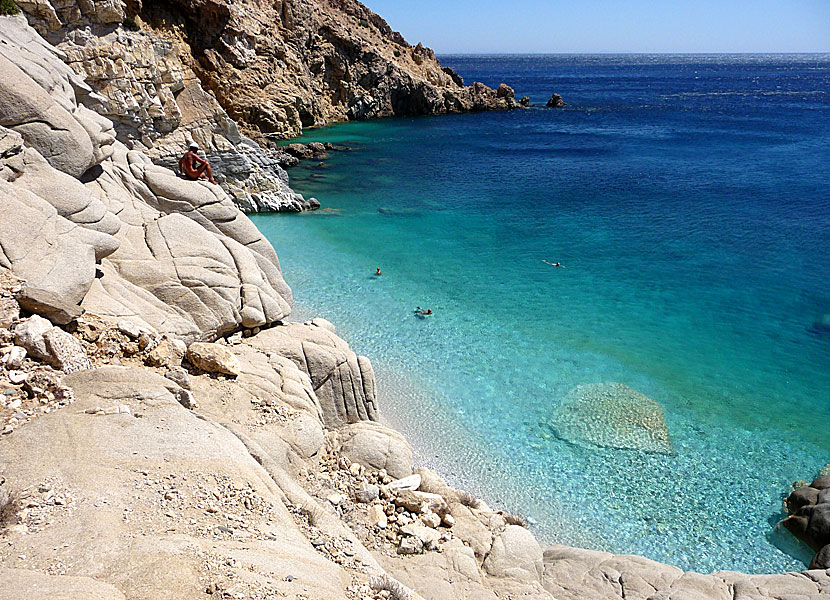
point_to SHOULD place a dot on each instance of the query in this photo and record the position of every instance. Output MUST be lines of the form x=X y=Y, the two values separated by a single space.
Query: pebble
x=18 y=377
x=367 y=493
x=14 y=359
x=129 y=329
x=335 y=498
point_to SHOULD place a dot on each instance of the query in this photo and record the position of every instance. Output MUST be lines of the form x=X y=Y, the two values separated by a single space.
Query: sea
x=687 y=198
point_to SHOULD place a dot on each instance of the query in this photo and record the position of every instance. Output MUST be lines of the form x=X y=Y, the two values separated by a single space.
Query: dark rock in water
x=612 y=415
x=821 y=483
x=817 y=532
x=801 y=497
x=298 y=150
x=453 y=75
x=48 y=305
x=524 y=101
x=796 y=525
x=821 y=559
x=556 y=101
x=504 y=91
x=809 y=519
x=318 y=149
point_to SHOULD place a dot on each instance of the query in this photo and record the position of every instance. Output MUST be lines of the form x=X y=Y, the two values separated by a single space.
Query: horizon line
x=628 y=52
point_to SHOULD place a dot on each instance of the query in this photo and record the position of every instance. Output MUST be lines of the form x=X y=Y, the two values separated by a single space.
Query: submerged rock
x=612 y=415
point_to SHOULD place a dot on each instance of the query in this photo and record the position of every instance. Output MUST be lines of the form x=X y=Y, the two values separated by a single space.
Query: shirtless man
x=193 y=167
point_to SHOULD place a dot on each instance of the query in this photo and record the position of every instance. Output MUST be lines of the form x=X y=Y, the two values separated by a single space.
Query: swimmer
x=377 y=271
x=556 y=264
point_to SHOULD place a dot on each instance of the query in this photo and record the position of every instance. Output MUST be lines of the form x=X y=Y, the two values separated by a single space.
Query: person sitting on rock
x=192 y=166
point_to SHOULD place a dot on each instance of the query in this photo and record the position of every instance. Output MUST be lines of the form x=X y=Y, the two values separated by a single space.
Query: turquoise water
x=687 y=199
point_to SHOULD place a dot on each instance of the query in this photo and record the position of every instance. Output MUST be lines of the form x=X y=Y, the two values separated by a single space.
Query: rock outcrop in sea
x=164 y=433
x=556 y=101
x=809 y=518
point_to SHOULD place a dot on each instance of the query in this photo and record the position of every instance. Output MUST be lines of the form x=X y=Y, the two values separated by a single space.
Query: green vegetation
x=8 y=7
x=128 y=23
x=397 y=53
x=364 y=23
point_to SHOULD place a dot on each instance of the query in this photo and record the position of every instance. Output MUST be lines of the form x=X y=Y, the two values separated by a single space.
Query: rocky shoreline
x=234 y=75
x=165 y=433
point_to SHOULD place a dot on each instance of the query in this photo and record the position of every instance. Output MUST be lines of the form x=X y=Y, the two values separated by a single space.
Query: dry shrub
x=468 y=499
x=512 y=519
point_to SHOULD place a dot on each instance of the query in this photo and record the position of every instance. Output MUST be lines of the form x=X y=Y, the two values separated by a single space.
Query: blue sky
x=611 y=25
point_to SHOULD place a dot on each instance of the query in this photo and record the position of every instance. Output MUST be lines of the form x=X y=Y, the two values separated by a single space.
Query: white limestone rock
x=376 y=447
x=516 y=555
x=344 y=382
x=30 y=335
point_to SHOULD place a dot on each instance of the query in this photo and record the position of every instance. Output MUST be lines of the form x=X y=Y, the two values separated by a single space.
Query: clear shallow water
x=687 y=198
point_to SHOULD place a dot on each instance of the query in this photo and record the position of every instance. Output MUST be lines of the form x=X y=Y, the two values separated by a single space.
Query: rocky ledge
x=164 y=433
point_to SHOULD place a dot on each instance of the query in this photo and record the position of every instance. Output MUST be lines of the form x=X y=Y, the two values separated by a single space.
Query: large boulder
x=822 y=559
x=376 y=447
x=343 y=381
x=190 y=263
x=72 y=138
x=612 y=415
x=48 y=305
x=516 y=555
x=52 y=344
x=44 y=249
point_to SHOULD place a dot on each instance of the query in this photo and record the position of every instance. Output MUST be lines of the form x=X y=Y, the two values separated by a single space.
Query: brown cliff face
x=282 y=65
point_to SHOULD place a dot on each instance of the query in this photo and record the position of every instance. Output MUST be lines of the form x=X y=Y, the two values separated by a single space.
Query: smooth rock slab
x=612 y=415
x=48 y=304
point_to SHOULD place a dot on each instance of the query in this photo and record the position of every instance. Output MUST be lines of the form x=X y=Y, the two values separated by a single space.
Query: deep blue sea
x=688 y=198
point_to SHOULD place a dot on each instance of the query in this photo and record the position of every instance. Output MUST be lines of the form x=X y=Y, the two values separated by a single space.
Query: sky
x=585 y=26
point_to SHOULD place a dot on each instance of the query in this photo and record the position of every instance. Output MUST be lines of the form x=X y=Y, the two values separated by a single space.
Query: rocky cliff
x=216 y=71
x=165 y=434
